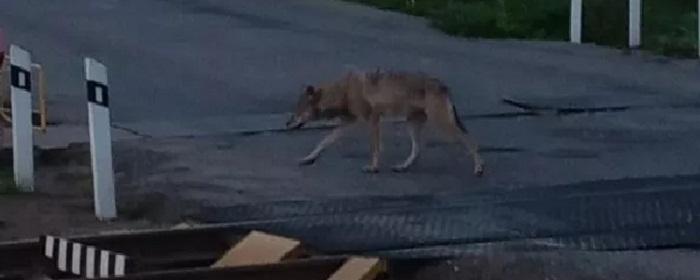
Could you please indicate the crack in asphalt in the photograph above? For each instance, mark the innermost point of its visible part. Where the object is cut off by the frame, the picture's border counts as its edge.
(131, 131)
(537, 110)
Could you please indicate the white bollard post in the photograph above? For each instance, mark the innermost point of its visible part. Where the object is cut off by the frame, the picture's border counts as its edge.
(576, 21)
(635, 23)
(100, 139)
(22, 131)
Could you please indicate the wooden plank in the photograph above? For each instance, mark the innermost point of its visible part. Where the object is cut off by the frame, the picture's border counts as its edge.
(314, 269)
(5, 88)
(259, 248)
(357, 268)
(41, 92)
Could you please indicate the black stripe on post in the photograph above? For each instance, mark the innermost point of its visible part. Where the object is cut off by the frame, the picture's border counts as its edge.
(83, 259)
(128, 266)
(56, 247)
(20, 78)
(42, 241)
(113, 264)
(98, 93)
(69, 256)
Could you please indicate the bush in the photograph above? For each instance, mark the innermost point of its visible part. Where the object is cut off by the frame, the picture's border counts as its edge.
(504, 18)
(475, 19)
(605, 22)
(536, 19)
(669, 27)
(7, 186)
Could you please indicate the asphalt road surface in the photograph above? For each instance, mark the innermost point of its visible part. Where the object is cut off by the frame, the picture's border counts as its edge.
(181, 67)
(612, 181)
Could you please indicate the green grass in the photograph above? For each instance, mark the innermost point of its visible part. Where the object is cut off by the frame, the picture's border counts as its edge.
(7, 185)
(669, 26)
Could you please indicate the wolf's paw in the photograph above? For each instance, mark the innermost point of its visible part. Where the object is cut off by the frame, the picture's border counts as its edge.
(370, 169)
(399, 168)
(479, 170)
(307, 161)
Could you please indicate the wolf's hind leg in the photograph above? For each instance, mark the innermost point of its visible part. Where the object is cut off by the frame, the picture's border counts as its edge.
(442, 113)
(375, 144)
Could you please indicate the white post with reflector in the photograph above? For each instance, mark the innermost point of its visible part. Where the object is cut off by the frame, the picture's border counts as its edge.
(576, 21)
(635, 23)
(22, 131)
(100, 139)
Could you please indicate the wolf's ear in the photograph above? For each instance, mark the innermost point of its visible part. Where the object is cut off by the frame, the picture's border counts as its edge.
(309, 90)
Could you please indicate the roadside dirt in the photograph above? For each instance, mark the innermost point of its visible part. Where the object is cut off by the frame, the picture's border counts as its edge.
(62, 201)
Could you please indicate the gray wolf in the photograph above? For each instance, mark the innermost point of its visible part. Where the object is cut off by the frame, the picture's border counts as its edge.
(370, 96)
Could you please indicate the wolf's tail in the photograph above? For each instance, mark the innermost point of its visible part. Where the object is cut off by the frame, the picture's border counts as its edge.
(457, 121)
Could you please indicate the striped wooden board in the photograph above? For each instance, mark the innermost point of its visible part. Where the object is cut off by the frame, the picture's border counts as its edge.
(83, 260)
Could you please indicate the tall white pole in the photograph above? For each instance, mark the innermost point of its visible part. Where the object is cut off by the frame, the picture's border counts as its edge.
(576, 21)
(100, 139)
(22, 132)
(635, 23)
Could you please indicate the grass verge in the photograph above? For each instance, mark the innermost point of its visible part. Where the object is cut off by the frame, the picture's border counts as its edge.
(669, 26)
(7, 185)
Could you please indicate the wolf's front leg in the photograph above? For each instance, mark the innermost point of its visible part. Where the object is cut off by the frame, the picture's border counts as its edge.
(328, 140)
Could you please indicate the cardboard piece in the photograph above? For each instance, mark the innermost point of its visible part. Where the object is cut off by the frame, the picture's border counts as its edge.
(357, 268)
(259, 248)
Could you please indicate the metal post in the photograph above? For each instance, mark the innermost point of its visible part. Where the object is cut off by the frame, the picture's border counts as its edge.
(576, 21)
(635, 23)
(100, 139)
(22, 131)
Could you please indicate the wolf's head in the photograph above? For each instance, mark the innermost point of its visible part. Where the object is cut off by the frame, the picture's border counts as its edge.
(307, 108)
